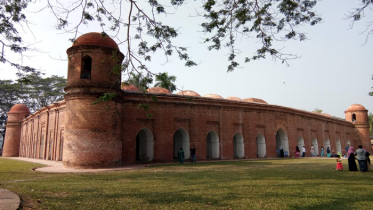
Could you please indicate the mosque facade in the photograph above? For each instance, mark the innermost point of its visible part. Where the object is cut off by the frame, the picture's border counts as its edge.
(85, 134)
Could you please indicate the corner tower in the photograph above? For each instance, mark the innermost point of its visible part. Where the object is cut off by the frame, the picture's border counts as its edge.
(358, 115)
(93, 131)
(13, 130)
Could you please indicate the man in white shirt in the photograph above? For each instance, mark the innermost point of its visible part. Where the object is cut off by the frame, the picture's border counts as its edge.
(304, 152)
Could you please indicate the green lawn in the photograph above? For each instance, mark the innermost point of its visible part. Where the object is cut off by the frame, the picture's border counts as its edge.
(252, 184)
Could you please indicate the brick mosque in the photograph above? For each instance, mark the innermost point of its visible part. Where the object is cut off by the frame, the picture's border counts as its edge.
(116, 132)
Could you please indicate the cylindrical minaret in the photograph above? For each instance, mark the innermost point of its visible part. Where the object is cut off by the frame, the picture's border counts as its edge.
(358, 115)
(93, 131)
(13, 130)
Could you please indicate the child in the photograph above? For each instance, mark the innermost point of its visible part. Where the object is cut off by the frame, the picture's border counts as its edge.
(339, 163)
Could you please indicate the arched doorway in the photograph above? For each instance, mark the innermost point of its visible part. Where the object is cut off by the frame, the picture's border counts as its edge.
(238, 146)
(261, 145)
(338, 145)
(348, 142)
(212, 145)
(300, 143)
(326, 145)
(144, 145)
(282, 140)
(181, 140)
(315, 145)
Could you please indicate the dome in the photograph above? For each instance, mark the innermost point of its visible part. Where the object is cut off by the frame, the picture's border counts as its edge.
(95, 38)
(233, 98)
(130, 88)
(213, 96)
(256, 100)
(158, 90)
(19, 108)
(356, 107)
(188, 93)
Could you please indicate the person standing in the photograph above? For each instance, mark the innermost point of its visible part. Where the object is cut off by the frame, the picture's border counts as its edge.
(347, 147)
(322, 151)
(367, 161)
(351, 159)
(339, 163)
(281, 151)
(313, 154)
(297, 152)
(360, 156)
(328, 152)
(181, 156)
(193, 154)
(303, 152)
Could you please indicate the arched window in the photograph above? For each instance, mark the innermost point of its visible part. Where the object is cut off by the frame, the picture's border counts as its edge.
(86, 68)
(353, 117)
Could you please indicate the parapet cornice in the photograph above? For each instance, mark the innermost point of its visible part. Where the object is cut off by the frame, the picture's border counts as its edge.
(57, 106)
(212, 102)
(107, 50)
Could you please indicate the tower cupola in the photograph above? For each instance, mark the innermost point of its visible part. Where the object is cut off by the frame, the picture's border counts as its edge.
(94, 60)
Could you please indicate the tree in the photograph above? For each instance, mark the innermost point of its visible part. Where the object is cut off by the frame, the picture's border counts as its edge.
(35, 95)
(268, 21)
(143, 34)
(371, 93)
(11, 14)
(318, 110)
(139, 80)
(165, 81)
(370, 120)
(359, 13)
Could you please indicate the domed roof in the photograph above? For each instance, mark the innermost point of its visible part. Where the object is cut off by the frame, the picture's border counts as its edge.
(356, 107)
(328, 115)
(19, 108)
(233, 98)
(158, 90)
(130, 88)
(213, 96)
(256, 100)
(188, 93)
(95, 38)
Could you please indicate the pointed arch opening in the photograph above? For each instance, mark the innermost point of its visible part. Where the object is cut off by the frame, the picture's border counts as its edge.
(327, 145)
(315, 145)
(348, 142)
(144, 145)
(212, 145)
(238, 146)
(261, 146)
(300, 143)
(181, 140)
(86, 67)
(282, 141)
(338, 146)
(61, 146)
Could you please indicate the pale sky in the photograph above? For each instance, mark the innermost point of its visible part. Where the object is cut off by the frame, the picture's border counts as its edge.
(334, 71)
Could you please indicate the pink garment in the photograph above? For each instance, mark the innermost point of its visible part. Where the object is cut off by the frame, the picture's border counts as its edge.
(350, 150)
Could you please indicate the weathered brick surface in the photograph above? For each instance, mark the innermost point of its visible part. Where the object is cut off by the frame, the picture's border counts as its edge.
(84, 135)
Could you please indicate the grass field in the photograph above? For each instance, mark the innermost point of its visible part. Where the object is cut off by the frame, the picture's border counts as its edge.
(253, 184)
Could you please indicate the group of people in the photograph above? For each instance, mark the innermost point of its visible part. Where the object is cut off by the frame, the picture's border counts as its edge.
(313, 151)
(193, 157)
(362, 157)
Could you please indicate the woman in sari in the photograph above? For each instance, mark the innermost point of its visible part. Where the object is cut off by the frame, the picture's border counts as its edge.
(297, 152)
(351, 159)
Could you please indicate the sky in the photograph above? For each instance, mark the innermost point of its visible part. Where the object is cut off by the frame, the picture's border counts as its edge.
(333, 72)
